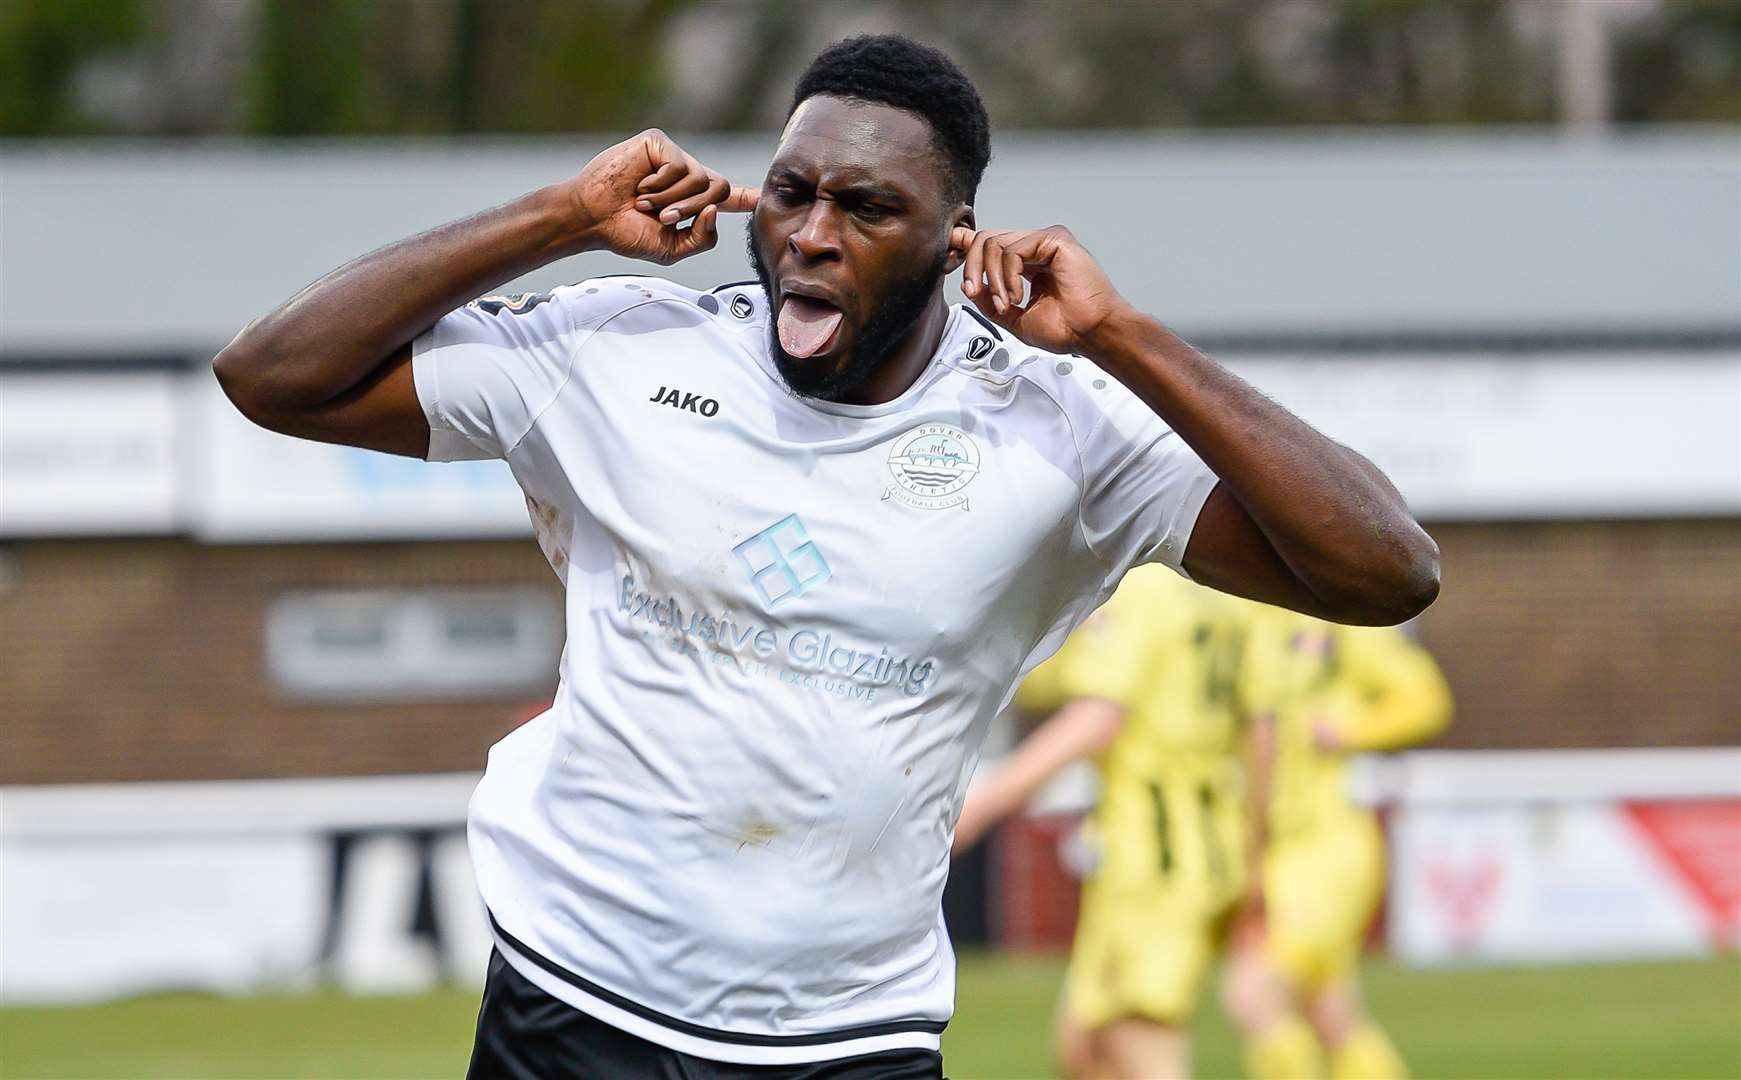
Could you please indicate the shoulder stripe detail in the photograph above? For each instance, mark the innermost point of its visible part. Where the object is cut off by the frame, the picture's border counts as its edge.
(932, 1027)
(584, 332)
(983, 321)
(1076, 440)
(735, 285)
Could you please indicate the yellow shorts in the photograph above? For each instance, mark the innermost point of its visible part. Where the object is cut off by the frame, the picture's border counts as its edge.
(1320, 893)
(1140, 953)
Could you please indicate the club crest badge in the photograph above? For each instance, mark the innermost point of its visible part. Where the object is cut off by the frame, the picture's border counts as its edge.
(931, 465)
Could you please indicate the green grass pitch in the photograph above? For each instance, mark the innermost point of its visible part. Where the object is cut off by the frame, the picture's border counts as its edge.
(1679, 1019)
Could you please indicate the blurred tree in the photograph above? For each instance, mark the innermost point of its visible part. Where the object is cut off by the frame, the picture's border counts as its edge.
(43, 43)
(1240, 62)
(350, 66)
(310, 62)
(1686, 65)
(431, 66)
(562, 65)
(732, 64)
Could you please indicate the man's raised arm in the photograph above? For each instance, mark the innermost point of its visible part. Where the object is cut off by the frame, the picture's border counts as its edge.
(1297, 519)
(333, 362)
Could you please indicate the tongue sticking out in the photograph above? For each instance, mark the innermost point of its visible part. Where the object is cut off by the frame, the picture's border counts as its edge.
(806, 326)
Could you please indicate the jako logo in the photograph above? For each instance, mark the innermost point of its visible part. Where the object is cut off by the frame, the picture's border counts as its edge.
(978, 347)
(695, 403)
(782, 561)
(741, 306)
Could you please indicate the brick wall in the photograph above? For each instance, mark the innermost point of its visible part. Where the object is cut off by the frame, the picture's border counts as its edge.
(143, 659)
(1591, 634)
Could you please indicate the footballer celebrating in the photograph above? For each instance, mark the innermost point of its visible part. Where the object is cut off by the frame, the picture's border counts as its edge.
(812, 530)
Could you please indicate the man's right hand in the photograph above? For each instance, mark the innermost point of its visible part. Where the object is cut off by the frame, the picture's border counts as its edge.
(633, 197)
(333, 362)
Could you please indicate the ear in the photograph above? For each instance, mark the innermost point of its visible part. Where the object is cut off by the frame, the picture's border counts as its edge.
(963, 216)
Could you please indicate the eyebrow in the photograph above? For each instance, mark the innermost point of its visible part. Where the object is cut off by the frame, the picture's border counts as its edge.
(864, 189)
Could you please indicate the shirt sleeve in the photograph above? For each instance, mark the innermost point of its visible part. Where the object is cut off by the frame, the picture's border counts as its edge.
(485, 372)
(1143, 485)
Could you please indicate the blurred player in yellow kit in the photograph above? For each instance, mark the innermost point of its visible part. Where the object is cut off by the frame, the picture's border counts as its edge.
(1148, 689)
(1321, 692)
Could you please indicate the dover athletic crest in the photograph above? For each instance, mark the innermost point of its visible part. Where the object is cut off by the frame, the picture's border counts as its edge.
(931, 465)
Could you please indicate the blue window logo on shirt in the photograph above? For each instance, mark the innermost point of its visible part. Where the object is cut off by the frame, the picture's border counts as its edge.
(782, 561)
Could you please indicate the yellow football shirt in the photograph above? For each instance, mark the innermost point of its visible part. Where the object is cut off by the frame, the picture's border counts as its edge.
(1167, 652)
(1372, 687)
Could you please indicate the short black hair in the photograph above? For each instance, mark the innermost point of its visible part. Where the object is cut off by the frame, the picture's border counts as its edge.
(889, 69)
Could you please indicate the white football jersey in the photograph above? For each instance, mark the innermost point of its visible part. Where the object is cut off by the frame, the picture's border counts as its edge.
(789, 622)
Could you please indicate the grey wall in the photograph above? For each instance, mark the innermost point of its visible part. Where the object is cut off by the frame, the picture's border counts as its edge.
(115, 249)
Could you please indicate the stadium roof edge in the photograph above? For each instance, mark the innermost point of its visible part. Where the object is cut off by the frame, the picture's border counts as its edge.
(1281, 236)
(1319, 344)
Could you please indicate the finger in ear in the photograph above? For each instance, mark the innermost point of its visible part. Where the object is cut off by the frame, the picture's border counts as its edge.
(953, 257)
(741, 199)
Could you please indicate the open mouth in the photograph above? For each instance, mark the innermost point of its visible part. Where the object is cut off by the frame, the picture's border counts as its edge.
(806, 325)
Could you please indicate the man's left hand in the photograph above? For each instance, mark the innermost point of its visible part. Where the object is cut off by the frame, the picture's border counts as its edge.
(1069, 296)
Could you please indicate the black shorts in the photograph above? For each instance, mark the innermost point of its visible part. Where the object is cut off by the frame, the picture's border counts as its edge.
(525, 1034)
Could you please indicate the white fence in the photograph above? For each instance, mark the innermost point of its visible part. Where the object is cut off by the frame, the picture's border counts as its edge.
(240, 886)
(1464, 436)
(1543, 856)
(253, 885)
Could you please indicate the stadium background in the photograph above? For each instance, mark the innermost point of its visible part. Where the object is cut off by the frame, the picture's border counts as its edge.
(247, 684)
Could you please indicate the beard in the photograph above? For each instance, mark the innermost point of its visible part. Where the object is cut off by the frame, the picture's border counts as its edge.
(891, 323)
